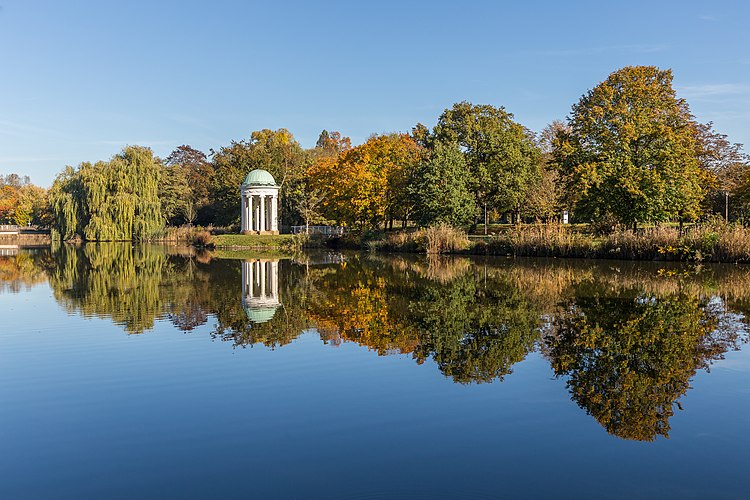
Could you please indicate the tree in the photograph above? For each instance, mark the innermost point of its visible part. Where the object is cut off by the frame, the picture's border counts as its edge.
(501, 154)
(21, 202)
(544, 196)
(367, 185)
(273, 150)
(631, 151)
(332, 143)
(114, 200)
(440, 188)
(308, 206)
(176, 195)
(725, 164)
(199, 173)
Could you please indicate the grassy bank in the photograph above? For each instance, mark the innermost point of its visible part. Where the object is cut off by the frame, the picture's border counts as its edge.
(707, 242)
(285, 242)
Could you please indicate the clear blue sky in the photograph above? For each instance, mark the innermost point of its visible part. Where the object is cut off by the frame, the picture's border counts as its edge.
(81, 79)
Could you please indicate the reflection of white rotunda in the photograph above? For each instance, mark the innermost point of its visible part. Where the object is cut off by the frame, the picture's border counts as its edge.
(260, 289)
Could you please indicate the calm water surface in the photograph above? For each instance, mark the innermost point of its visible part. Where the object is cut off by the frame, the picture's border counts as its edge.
(130, 371)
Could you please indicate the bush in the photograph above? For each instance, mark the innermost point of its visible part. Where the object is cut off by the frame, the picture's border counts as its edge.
(203, 239)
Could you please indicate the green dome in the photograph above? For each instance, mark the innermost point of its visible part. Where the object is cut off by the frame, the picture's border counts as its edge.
(259, 177)
(260, 314)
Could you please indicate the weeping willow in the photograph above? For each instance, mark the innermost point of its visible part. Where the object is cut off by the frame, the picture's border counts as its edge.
(109, 201)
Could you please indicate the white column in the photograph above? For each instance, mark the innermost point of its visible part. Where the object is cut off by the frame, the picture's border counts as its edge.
(275, 280)
(257, 218)
(262, 213)
(242, 211)
(246, 270)
(263, 272)
(275, 212)
(248, 208)
(256, 269)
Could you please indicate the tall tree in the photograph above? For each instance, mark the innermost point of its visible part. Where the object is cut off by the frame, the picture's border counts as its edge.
(114, 200)
(501, 154)
(631, 151)
(176, 194)
(440, 188)
(198, 172)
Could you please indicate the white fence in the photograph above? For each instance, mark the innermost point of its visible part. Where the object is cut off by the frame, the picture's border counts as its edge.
(324, 230)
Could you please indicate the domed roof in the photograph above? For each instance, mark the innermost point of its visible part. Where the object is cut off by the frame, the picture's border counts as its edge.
(260, 314)
(259, 177)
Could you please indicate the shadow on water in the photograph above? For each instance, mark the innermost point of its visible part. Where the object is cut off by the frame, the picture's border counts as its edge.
(627, 337)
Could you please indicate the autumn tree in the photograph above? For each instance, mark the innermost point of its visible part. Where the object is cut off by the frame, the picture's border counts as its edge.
(367, 185)
(502, 156)
(440, 188)
(21, 202)
(273, 150)
(726, 166)
(198, 172)
(332, 143)
(544, 198)
(631, 151)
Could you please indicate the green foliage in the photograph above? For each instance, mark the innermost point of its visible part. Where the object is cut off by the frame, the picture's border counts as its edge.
(176, 195)
(631, 151)
(440, 188)
(502, 156)
(114, 200)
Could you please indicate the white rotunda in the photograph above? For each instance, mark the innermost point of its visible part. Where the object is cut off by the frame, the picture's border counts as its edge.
(260, 204)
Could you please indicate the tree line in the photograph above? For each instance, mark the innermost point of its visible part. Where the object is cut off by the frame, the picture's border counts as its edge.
(630, 152)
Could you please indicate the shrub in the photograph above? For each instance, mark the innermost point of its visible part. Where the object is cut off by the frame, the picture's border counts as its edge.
(203, 239)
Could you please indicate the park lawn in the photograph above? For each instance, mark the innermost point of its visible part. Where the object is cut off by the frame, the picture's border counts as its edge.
(275, 241)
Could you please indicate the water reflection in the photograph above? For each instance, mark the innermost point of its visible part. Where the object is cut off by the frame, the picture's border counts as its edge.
(627, 338)
(629, 355)
(260, 289)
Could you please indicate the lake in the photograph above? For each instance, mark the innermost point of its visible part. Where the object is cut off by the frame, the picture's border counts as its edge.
(135, 370)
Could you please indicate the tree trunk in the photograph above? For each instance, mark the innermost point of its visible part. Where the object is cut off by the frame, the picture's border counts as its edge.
(726, 205)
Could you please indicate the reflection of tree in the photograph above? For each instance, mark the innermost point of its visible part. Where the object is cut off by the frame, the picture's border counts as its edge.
(475, 333)
(117, 281)
(363, 304)
(22, 271)
(629, 356)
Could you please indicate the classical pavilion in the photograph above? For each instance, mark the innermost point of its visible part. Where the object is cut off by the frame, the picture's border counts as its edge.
(260, 204)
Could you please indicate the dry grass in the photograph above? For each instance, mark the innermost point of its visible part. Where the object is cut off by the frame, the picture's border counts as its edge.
(711, 241)
(441, 239)
(444, 239)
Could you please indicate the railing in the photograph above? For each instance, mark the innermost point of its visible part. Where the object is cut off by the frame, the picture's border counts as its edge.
(7, 228)
(323, 230)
